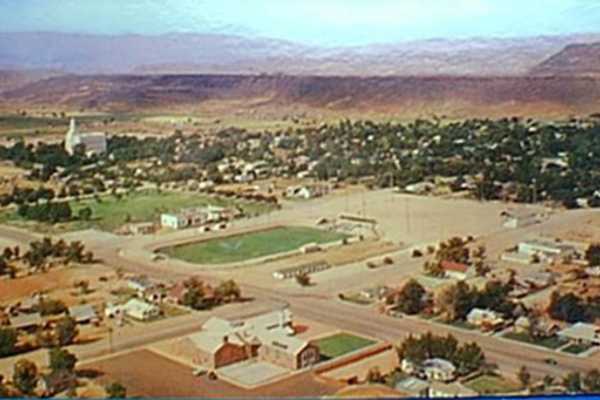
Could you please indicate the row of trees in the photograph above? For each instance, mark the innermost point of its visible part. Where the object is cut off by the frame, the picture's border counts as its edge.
(200, 296)
(456, 301)
(61, 378)
(467, 358)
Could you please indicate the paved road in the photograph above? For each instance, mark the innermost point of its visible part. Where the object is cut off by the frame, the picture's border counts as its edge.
(17, 235)
(326, 309)
(323, 307)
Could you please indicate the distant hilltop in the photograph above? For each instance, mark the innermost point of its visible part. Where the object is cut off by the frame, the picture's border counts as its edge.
(441, 95)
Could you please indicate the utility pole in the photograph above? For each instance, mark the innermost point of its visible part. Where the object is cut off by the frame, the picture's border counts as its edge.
(407, 215)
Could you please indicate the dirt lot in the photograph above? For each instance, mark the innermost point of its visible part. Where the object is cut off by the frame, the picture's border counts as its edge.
(138, 372)
(59, 283)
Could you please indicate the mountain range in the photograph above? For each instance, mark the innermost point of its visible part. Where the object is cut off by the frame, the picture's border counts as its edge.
(183, 53)
(540, 76)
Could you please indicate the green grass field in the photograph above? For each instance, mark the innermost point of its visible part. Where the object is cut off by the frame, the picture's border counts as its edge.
(489, 384)
(110, 213)
(341, 343)
(576, 348)
(550, 343)
(250, 245)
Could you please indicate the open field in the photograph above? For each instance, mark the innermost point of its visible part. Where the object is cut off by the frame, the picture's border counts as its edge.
(110, 212)
(138, 371)
(341, 343)
(489, 384)
(251, 245)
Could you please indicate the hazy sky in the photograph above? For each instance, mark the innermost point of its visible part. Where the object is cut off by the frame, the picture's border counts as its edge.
(325, 22)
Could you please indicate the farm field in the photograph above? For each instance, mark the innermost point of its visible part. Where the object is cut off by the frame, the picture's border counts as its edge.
(341, 343)
(109, 213)
(251, 245)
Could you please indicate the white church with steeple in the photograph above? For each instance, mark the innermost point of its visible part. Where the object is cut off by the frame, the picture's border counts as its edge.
(93, 142)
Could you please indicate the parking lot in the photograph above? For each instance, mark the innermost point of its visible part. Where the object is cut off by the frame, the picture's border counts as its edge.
(251, 374)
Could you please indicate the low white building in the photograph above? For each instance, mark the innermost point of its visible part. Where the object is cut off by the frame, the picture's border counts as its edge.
(439, 369)
(520, 218)
(140, 310)
(582, 332)
(545, 249)
(192, 217)
(484, 318)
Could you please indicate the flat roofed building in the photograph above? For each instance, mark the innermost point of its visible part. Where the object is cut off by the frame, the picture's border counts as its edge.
(582, 332)
(309, 268)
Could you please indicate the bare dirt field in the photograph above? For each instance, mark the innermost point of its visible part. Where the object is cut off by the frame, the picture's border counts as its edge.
(138, 370)
(59, 283)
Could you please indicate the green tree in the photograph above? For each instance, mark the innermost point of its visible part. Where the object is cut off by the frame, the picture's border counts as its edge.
(8, 341)
(524, 376)
(85, 214)
(25, 376)
(410, 298)
(115, 391)
(572, 382)
(66, 331)
(51, 307)
(591, 381)
(303, 279)
(61, 360)
(469, 358)
(592, 254)
(228, 290)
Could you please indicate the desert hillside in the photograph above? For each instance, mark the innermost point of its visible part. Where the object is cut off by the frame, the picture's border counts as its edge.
(448, 95)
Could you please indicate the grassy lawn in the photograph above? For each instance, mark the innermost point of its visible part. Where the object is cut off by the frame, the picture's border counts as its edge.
(110, 213)
(577, 348)
(550, 343)
(251, 245)
(489, 384)
(339, 344)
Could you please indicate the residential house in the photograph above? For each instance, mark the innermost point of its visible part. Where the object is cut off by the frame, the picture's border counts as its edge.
(26, 322)
(458, 271)
(83, 314)
(582, 332)
(140, 310)
(485, 319)
(141, 284)
(522, 324)
(439, 369)
(433, 369)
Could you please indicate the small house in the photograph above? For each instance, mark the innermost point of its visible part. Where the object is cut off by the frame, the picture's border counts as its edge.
(140, 310)
(582, 332)
(485, 319)
(439, 369)
(458, 271)
(83, 314)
